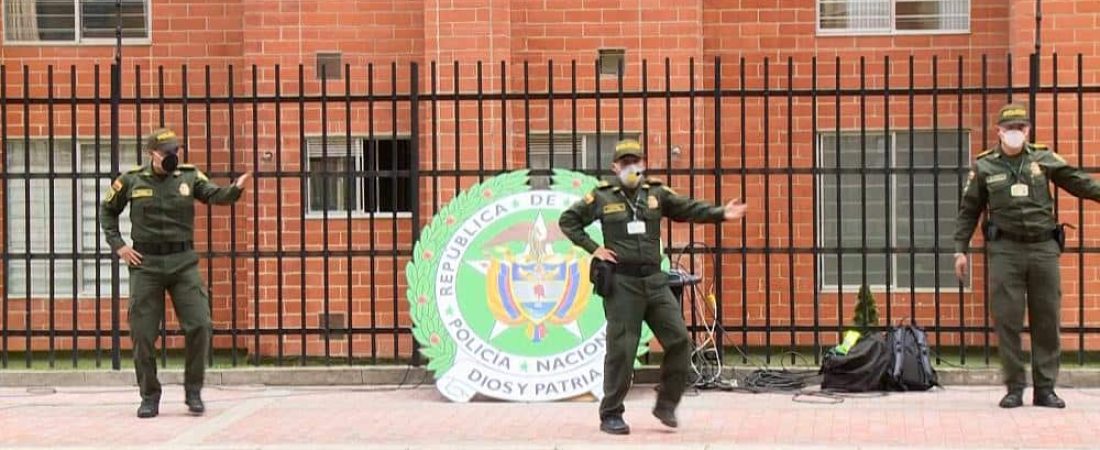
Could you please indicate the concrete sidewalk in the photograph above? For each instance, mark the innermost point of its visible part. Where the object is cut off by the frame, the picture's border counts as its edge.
(255, 417)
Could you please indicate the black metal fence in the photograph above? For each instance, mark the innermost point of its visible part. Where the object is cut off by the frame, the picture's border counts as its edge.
(852, 169)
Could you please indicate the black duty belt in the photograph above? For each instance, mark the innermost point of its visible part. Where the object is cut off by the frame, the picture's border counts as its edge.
(636, 270)
(162, 248)
(1027, 238)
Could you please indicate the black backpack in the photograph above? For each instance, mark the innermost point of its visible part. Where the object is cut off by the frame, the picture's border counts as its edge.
(910, 367)
(863, 369)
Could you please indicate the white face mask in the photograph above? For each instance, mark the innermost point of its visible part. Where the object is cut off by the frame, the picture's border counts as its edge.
(1013, 138)
(631, 175)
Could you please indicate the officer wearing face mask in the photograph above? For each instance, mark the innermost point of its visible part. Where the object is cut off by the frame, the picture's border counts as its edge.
(1010, 182)
(630, 209)
(161, 197)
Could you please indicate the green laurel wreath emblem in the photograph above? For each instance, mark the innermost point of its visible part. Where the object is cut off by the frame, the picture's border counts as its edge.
(428, 328)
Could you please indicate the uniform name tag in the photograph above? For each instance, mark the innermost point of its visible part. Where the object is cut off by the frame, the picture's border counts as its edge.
(996, 178)
(1019, 190)
(139, 193)
(614, 208)
(635, 227)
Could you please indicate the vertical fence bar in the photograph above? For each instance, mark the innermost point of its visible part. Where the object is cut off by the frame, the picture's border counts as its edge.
(76, 249)
(888, 177)
(414, 175)
(302, 190)
(790, 207)
(718, 246)
(599, 122)
(691, 179)
(936, 196)
(573, 115)
(1080, 213)
(863, 170)
(815, 172)
(349, 206)
(912, 207)
(116, 93)
(233, 330)
(645, 109)
(480, 128)
(98, 242)
(27, 318)
(767, 213)
(434, 96)
(256, 217)
(52, 240)
(526, 114)
(960, 173)
(280, 251)
(744, 230)
(504, 115)
(326, 204)
(372, 207)
(668, 132)
(209, 208)
(550, 108)
(839, 205)
(985, 246)
(394, 207)
(5, 226)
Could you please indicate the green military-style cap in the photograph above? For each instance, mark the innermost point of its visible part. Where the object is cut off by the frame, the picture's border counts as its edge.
(162, 139)
(628, 147)
(1013, 114)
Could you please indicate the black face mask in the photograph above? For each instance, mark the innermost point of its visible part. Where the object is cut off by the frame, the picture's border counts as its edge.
(170, 162)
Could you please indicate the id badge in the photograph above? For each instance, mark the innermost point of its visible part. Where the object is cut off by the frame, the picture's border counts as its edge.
(1019, 190)
(635, 227)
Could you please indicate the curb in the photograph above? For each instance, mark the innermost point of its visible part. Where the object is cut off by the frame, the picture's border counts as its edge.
(406, 375)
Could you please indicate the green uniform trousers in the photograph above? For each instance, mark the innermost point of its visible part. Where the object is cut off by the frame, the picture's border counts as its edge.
(1026, 275)
(178, 274)
(632, 301)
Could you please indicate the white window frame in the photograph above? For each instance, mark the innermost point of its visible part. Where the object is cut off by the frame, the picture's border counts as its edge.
(83, 291)
(894, 286)
(892, 30)
(78, 41)
(358, 150)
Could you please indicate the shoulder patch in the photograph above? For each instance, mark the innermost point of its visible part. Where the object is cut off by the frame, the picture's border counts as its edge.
(186, 167)
(589, 198)
(603, 185)
(1038, 146)
(653, 181)
(985, 154)
(1058, 157)
(670, 190)
(135, 169)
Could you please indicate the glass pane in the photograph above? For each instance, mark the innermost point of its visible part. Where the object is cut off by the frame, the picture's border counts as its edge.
(855, 15)
(39, 20)
(329, 186)
(99, 18)
(855, 216)
(937, 15)
(395, 190)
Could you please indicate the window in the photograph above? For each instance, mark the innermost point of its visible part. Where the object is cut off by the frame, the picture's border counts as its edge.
(70, 228)
(890, 213)
(611, 60)
(892, 16)
(589, 155)
(74, 20)
(380, 182)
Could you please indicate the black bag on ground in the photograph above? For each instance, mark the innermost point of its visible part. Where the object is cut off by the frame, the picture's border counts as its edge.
(863, 369)
(910, 367)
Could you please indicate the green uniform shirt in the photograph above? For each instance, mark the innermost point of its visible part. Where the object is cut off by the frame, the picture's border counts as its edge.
(162, 208)
(615, 207)
(990, 185)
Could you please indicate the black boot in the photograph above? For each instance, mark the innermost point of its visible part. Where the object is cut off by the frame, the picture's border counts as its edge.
(1013, 399)
(1047, 398)
(667, 416)
(194, 402)
(614, 425)
(149, 408)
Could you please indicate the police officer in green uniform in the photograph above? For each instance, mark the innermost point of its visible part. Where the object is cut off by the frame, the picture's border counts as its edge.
(161, 196)
(630, 211)
(1010, 182)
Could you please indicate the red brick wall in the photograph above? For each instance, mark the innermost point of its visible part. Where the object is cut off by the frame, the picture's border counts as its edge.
(373, 34)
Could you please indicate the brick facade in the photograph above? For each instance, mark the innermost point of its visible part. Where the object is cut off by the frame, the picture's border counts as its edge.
(380, 35)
